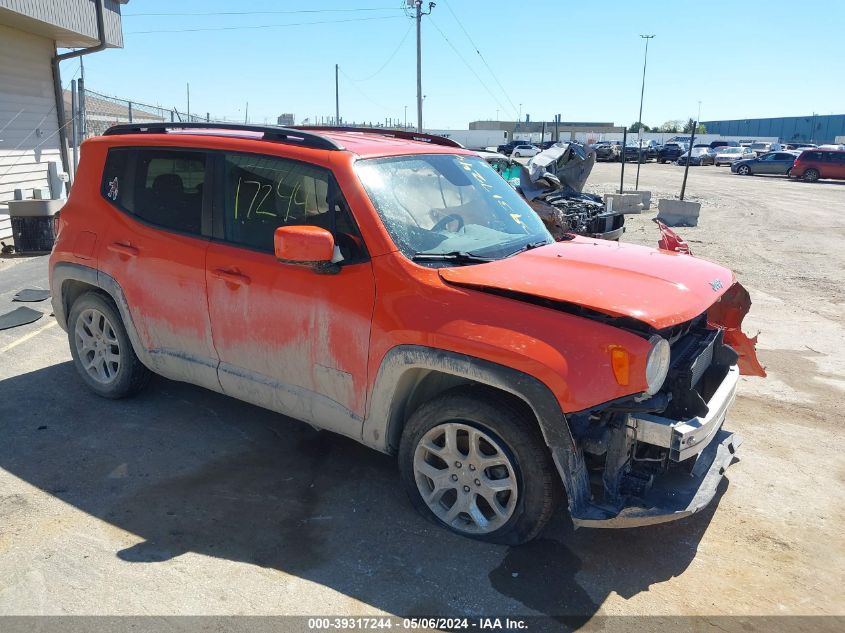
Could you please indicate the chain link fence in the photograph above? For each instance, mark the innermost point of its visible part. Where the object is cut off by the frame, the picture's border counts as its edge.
(98, 112)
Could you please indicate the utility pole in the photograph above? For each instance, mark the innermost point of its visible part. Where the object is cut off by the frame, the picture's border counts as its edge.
(336, 99)
(246, 114)
(419, 13)
(406, 117)
(189, 103)
(640, 118)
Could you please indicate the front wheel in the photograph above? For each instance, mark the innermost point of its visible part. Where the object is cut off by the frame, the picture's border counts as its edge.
(811, 175)
(743, 170)
(476, 463)
(517, 155)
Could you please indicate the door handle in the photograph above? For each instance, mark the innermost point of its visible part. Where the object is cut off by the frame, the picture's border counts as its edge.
(231, 277)
(123, 249)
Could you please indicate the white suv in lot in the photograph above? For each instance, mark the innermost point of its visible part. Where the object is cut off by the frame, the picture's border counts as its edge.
(525, 150)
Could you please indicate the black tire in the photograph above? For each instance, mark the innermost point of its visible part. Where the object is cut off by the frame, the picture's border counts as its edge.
(516, 431)
(131, 375)
(811, 175)
(743, 170)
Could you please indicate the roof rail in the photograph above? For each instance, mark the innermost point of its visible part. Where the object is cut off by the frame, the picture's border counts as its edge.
(270, 132)
(408, 136)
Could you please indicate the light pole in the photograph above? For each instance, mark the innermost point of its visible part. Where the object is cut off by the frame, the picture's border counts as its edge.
(520, 112)
(419, 13)
(699, 111)
(640, 118)
(406, 117)
(497, 114)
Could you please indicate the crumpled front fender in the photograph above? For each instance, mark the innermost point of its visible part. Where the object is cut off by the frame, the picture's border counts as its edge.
(728, 314)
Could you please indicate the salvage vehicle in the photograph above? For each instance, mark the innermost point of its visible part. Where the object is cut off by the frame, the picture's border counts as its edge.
(670, 152)
(391, 287)
(698, 156)
(727, 155)
(522, 151)
(644, 152)
(558, 197)
(610, 151)
(507, 148)
(771, 163)
(819, 163)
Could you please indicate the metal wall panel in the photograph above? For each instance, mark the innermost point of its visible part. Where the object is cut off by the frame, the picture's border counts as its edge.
(72, 23)
(820, 128)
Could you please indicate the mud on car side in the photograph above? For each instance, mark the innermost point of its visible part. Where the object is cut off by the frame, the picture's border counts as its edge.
(393, 288)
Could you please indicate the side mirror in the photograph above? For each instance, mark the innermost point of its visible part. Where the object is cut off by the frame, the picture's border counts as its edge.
(310, 246)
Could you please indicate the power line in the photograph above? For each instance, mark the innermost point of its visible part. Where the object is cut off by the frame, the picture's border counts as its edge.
(262, 26)
(389, 59)
(363, 94)
(472, 43)
(461, 57)
(199, 13)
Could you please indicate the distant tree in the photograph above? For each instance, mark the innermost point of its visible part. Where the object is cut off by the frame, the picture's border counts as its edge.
(688, 126)
(672, 126)
(701, 129)
(635, 127)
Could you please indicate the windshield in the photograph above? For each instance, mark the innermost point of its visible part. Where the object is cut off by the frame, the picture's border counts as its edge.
(700, 151)
(759, 146)
(730, 150)
(443, 203)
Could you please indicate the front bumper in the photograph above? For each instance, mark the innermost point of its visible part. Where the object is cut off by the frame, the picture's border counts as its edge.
(679, 492)
(676, 495)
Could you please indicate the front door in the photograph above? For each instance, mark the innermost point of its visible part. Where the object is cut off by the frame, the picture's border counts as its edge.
(155, 247)
(289, 339)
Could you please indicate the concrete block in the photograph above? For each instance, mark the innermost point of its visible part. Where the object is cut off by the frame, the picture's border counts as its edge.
(645, 196)
(628, 203)
(678, 212)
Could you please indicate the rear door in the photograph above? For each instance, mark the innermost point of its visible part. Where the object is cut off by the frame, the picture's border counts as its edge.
(837, 165)
(289, 339)
(155, 249)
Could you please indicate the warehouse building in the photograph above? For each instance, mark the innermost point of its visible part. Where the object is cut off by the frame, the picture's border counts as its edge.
(814, 128)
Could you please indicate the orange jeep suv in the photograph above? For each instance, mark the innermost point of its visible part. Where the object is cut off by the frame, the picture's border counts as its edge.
(392, 287)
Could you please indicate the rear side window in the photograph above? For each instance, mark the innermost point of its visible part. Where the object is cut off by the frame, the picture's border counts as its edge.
(262, 193)
(160, 186)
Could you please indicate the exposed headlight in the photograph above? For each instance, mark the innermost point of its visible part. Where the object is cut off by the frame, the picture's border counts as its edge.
(657, 365)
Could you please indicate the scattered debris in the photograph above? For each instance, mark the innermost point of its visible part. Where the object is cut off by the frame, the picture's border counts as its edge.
(31, 295)
(671, 241)
(19, 316)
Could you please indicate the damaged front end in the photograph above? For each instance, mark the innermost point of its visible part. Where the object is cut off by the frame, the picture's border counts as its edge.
(552, 185)
(652, 459)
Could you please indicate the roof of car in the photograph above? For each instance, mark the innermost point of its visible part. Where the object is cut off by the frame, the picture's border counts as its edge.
(364, 142)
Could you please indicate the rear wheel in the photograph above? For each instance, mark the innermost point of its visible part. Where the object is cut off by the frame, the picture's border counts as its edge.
(811, 175)
(743, 170)
(475, 462)
(101, 350)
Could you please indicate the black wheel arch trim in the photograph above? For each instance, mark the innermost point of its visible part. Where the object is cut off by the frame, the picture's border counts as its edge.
(387, 412)
(62, 272)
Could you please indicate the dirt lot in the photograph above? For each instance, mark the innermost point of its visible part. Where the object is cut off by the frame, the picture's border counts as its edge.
(182, 501)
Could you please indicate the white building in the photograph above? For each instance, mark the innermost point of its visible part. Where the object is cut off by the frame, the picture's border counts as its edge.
(31, 103)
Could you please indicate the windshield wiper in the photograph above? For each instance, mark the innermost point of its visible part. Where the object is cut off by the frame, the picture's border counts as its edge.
(528, 247)
(459, 257)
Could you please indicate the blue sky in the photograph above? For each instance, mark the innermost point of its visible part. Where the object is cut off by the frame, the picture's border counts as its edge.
(749, 59)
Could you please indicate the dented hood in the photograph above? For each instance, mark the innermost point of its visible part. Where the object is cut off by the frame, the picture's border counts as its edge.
(656, 287)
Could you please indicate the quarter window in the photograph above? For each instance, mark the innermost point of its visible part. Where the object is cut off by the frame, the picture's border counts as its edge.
(162, 187)
(262, 193)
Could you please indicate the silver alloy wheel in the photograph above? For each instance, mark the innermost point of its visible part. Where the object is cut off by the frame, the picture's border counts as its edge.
(466, 478)
(744, 170)
(97, 345)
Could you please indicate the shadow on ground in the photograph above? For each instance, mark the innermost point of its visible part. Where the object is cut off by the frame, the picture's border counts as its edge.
(188, 470)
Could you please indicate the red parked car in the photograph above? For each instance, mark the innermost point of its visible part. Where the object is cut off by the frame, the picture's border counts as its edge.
(813, 164)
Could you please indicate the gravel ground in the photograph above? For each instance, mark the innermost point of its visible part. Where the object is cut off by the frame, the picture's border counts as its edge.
(181, 501)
